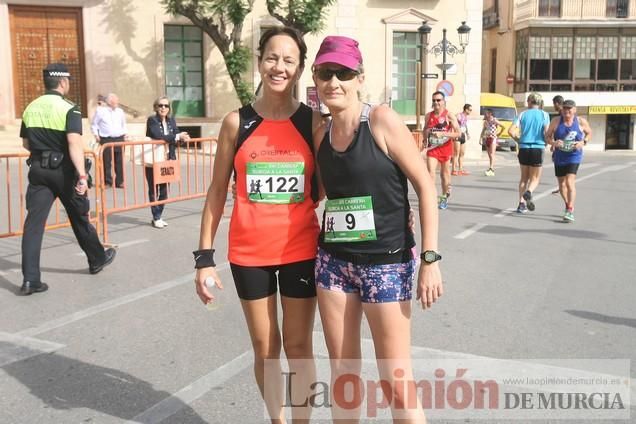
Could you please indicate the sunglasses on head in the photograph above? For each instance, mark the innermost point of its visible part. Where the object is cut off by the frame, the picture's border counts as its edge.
(162, 105)
(341, 74)
(438, 100)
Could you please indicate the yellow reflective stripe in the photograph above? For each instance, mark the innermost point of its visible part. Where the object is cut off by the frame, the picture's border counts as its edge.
(48, 111)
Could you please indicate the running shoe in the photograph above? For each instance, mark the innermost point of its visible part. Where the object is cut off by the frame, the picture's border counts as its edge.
(568, 216)
(522, 208)
(454, 173)
(527, 196)
(489, 172)
(464, 172)
(442, 202)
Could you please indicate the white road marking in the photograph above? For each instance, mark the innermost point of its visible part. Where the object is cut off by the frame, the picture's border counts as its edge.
(111, 304)
(469, 232)
(14, 347)
(9, 271)
(174, 403)
(504, 212)
(121, 245)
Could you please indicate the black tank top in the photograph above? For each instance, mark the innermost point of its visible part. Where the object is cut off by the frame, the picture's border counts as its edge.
(363, 171)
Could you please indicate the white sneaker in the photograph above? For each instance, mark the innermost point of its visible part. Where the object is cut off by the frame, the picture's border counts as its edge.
(159, 223)
(165, 224)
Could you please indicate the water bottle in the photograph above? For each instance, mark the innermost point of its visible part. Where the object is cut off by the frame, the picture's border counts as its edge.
(214, 291)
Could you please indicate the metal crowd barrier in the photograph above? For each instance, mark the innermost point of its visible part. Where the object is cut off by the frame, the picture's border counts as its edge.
(195, 160)
(14, 169)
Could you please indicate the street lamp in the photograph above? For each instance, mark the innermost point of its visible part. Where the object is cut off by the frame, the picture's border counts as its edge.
(444, 47)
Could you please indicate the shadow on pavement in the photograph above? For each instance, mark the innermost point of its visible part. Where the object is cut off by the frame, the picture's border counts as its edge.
(473, 208)
(67, 384)
(9, 286)
(607, 319)
(500, 229)
(459, 185)
(580, 234)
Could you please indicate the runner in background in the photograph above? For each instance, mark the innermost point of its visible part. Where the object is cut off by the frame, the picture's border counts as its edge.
(568, 134)
(490, 132)
(529, 131)
(441, 128)
(460, 143)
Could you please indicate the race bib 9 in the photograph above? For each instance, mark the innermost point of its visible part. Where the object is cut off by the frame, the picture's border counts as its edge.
(275, 182)
(349, 220)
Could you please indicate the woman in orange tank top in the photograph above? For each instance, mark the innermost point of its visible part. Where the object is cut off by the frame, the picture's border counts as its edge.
(274, 228)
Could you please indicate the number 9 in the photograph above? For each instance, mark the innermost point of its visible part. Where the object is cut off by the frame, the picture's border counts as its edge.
(351, 221)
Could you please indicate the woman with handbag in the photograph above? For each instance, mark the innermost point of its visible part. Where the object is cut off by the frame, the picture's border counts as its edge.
(161, 126)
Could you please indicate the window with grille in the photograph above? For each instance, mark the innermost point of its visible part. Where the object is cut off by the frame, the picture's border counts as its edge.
(583, 60)
(550, 8)
(617, 8)
(183, 47)
(403, 77)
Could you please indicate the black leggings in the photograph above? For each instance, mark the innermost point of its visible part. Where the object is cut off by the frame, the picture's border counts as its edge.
(256, 282)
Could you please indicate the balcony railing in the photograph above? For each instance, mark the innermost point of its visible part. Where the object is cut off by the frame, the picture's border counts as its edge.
(490, 18)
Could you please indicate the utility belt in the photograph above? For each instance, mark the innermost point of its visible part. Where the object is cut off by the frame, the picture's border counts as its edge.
(49, 159)
(402, 256)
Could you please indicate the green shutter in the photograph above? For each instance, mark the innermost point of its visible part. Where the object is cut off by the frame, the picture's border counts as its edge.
(183, 48)
(403, 78)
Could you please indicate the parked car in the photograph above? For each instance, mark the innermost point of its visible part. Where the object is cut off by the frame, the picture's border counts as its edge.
(504, 109)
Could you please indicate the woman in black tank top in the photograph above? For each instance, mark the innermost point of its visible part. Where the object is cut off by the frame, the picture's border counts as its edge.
(365, 261)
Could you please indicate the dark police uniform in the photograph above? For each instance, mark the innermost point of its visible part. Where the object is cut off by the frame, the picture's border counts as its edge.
(45, 123)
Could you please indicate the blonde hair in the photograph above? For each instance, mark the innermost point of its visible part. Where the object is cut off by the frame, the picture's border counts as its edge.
(535, 99)
(155, 104)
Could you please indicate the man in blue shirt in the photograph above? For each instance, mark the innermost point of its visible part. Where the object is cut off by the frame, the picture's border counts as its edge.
(529, 131)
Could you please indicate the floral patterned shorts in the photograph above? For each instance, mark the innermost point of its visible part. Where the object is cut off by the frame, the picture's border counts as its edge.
(374, 283)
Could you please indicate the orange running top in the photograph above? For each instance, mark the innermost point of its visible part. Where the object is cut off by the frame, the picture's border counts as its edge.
(274, 220)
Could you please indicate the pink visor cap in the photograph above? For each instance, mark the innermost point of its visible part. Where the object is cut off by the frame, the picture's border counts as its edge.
(339, 50)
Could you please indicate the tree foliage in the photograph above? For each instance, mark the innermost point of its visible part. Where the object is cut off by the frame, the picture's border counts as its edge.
(307, 16)
(223, 21)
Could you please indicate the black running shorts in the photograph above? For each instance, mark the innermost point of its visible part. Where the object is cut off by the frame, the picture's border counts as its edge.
(531, 157)
(563, 170)
(256, 282)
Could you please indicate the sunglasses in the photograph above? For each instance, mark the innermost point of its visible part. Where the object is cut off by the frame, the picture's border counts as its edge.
(438, 100)
(341, 74)
(162, 105)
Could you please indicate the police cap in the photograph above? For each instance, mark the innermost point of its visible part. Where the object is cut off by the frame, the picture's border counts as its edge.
(56, 70)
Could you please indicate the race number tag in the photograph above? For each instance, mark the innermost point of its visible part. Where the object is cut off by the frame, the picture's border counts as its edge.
(436, 141)
(276, 182)
(568, 143)
(349, 219)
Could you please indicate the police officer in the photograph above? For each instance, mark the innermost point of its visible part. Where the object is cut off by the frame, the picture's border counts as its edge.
(52, 132)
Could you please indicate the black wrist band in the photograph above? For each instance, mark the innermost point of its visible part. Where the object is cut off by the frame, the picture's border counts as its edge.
(203, 258)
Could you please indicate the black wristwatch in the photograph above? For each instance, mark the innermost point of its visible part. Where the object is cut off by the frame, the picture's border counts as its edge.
(430, 256)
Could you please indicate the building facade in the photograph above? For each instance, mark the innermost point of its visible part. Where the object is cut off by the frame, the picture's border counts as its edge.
(583, 50)
(135, 49)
